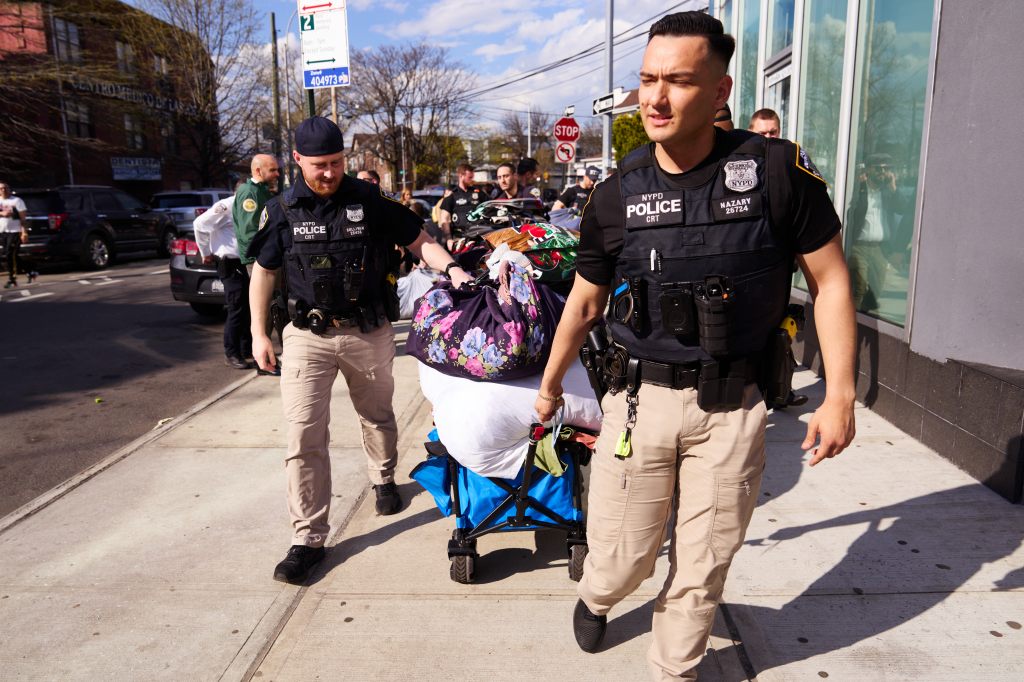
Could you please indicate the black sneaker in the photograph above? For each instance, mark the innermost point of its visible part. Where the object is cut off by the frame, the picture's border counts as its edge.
(236, 362)
(588, 628)
(11, 283)
(297, 564)
(388, 500)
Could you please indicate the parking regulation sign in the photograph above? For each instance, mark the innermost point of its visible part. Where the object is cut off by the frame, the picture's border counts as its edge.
(323, 33)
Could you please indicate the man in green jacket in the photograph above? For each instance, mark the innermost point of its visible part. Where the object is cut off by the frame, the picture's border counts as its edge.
(250, 198)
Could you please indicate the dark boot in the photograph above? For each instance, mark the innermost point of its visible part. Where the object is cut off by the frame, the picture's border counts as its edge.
(588, 628)
(388, 500)
(297, 564)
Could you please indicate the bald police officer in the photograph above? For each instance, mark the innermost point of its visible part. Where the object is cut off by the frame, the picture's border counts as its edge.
(334, 235)
(694, 239)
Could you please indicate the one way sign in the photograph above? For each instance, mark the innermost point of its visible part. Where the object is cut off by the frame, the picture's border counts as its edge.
(606, 103)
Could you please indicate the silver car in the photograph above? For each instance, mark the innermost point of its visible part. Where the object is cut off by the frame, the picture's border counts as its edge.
(184, 207)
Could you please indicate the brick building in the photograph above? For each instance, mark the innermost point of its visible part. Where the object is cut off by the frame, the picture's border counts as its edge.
(89, 98)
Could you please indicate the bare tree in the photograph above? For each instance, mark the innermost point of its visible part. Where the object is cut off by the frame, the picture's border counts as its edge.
(33, 76)
(523, 134)
(219, 77)
(410, 98)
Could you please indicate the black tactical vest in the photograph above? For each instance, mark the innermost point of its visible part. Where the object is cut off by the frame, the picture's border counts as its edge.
(719, 225)
(336, 266)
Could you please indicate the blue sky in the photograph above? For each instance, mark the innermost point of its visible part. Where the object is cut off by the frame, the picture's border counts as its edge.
(496, 42)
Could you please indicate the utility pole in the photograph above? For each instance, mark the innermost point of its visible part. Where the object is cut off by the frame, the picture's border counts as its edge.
(529, 129)
(288, 72)
(277, 89)
(606, 137)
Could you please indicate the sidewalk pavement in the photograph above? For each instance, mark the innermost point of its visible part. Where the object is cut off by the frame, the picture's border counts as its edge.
(887, 563)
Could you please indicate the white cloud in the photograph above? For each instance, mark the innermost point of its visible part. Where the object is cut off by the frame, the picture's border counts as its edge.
(364, 5)
(493, 51)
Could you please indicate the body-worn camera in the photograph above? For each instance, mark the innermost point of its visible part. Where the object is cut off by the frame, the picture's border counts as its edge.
(713, 299)
(677, 311)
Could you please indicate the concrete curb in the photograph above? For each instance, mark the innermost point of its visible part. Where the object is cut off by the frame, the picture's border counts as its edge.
(49, 497)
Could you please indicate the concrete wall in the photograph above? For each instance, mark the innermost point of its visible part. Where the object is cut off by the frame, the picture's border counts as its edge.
(969, 300)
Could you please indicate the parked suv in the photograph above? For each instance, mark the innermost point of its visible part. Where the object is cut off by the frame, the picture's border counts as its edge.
(91, 224)
(184, 207)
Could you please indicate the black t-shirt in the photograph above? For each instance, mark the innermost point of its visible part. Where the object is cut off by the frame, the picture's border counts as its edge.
(810, 222)
(575, 197)
(460, 202)
(384, 216)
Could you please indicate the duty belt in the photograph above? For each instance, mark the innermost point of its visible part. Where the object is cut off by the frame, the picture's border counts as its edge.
(343, 322)
(676, 377)
(680, 377)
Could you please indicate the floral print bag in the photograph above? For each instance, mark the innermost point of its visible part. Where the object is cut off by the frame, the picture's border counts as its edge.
(486, 332)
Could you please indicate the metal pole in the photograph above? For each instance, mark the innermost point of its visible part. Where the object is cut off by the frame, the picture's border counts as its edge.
(310, 104)
(288, 97)
(529, 129)
(334, 105)
(277, 88)
(606, 137)
(403, 157)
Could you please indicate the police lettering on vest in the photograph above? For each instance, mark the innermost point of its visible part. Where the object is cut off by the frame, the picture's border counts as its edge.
(335, 266)
(708, 228)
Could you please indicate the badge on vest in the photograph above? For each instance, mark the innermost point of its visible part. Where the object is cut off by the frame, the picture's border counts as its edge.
(308, 231)
(654, 209)
(354, 213)
(460, 202)
(741, 176)
(734, 207)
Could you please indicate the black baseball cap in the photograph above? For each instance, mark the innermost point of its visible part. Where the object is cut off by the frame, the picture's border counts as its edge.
(593, 172)
(318, 136)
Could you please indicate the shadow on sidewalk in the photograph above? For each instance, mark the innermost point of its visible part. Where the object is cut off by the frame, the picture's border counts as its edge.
(912, 556)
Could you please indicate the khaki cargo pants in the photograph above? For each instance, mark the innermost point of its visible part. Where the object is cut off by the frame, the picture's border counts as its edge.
(309, 366)
(704, 466)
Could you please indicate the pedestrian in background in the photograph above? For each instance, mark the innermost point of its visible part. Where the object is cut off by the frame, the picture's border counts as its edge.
(218, 244)
(723, 117)
(335, 235)
(457, 205)
(14, 232)
(683, 435)
(527, 171)
(249, 200)
(576, 197)
(765, 122)
(508, 182)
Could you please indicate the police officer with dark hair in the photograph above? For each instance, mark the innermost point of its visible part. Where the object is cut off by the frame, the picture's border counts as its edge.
(694, 239)
(335, 236)
(527, 171)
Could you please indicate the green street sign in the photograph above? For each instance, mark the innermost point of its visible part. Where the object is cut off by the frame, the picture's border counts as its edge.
(306, 22)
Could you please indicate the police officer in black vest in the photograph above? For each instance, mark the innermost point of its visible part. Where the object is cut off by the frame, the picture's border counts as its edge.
(335, 236)
(456, 207)
(694, 240)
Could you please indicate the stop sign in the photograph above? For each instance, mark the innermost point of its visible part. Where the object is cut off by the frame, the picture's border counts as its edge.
(567, 130)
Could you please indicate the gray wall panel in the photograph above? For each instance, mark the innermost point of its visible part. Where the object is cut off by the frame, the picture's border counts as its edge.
(969, 295)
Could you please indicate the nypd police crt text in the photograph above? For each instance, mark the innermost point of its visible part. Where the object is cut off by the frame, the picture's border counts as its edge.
(653, 206)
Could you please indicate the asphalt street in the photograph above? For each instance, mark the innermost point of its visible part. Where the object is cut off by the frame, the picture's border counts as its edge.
(90, 361)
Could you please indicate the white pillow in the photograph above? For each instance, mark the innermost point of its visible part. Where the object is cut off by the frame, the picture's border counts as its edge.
(486, 424)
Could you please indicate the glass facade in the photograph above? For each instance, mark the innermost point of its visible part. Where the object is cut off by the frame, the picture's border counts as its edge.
(893, 46)
(746, 100)
(821, 95)
(780, 26)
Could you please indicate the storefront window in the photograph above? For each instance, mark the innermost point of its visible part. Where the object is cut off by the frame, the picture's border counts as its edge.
(780, 26)
(747, 101)
(821, 91)
(885, 150)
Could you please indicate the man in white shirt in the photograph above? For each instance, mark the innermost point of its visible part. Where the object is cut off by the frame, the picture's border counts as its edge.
(12, 232)
(217, 242)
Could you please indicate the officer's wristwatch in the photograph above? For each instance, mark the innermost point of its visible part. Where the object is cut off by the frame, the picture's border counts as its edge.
(448, 268)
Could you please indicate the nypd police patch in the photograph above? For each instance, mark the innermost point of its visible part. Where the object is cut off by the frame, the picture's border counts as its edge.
(804, 163)
(263, 219)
